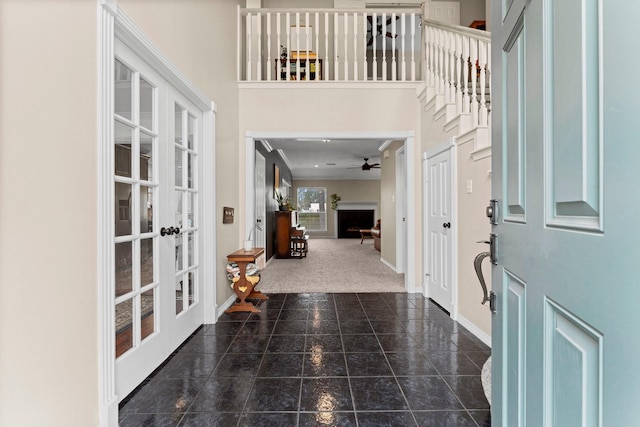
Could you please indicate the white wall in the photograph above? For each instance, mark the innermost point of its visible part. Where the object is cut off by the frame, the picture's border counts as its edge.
(48, 216)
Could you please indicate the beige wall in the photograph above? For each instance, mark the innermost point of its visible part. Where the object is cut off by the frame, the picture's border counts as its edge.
(473, 225)
(199, 37)
(388, 202)
(339, 109)
(348, 190)
(472, 222)
(48, 216)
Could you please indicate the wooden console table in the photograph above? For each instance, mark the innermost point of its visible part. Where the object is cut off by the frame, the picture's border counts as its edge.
(243, 288)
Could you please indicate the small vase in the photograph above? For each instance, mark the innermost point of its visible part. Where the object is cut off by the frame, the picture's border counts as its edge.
(248, 245)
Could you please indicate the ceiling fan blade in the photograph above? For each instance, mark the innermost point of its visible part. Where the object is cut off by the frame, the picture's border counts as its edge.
(375, 165)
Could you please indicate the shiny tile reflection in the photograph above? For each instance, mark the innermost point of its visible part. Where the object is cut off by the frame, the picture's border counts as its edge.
(321, 360)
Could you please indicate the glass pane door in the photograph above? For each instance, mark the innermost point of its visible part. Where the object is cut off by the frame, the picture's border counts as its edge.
(186, 204)
(135, 190)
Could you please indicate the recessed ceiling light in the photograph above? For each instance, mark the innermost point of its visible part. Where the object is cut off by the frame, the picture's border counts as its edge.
(326, 140)
(316, 166)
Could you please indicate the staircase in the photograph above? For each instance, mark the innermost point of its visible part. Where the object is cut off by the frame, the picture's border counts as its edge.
(457, 82)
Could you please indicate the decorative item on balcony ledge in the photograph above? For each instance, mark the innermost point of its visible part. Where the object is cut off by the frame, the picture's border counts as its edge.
(334, 201)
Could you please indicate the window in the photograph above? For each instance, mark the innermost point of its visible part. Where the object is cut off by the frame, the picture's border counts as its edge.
(312, 207)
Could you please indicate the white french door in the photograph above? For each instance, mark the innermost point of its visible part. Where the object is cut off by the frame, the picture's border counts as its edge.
(185, 127)
(157, 135)
(565, 159)
(438, 217)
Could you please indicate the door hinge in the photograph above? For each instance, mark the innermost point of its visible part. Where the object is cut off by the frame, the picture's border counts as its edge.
(492, 301)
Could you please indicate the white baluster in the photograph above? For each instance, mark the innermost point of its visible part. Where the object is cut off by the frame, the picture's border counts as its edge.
(413, 47)
(465, 74)
(307, 32)
(326, 45)
(374, 22)
(403, 67)
(394, 70)
(317, 46)
(441, 75)
(452, 67)
(259, 42)
(249, 45)
(459, 81)
(336, 64)
(473, 54)
(446, 75)
(288, 46)
(489, 71)
(364, 47)
(355, 46)
(269, 41)
(345, 25)
(482, 119)
(384, 46)
(297, 46)
(278, 48)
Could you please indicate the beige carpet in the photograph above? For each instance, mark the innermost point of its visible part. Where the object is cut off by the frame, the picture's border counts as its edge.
(332, 265)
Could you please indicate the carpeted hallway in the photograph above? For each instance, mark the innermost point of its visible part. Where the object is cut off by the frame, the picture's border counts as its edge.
(321, 359)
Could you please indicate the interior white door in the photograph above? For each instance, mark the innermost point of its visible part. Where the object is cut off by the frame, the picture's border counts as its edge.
(137, 253)
(438, 224)
(185, 127)
(565, 152)
(260, 177)
(157, 248)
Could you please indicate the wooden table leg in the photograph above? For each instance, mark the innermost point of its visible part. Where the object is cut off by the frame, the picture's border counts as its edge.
(248, 289)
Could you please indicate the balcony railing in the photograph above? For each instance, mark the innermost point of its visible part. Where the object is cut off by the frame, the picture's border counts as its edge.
(458, 70)
(330, 45)
(381, 45)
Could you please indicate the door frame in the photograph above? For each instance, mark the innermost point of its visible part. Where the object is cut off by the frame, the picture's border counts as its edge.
(112, 23)
(401, 210)
(448, 145)
(252, 137)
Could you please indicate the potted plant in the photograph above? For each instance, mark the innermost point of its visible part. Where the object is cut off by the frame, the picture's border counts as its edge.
(334, 201)
(282, 201)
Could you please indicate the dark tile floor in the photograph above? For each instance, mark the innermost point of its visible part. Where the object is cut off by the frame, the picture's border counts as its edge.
(379, 359)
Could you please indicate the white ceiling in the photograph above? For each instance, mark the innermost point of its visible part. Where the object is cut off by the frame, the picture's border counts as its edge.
(335, 158)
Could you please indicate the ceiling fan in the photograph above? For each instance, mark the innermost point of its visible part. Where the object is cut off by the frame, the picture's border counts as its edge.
(373, 33)
(366, 166)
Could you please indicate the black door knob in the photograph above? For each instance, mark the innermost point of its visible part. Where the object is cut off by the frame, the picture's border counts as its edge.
(447, 225)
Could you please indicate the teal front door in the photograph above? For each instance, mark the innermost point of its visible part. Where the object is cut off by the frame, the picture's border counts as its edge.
(566, 155)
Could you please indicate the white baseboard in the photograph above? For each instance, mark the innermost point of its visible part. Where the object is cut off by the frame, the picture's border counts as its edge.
(479, 333)
(388, 264)
(220, 310)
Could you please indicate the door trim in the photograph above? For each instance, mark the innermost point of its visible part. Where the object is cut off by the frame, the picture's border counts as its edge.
(449, 144)
(251, 137)
(114, 23)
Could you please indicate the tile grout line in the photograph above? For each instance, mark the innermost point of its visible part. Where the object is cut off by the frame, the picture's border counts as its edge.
(253, 383)
(384, 354)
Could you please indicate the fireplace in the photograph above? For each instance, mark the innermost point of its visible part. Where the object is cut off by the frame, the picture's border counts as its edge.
(351, 221)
